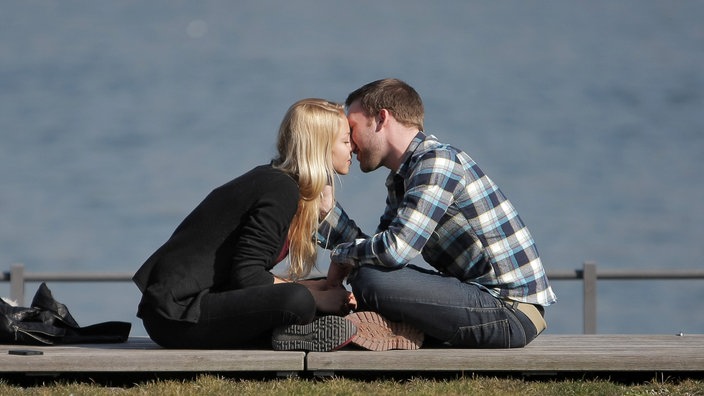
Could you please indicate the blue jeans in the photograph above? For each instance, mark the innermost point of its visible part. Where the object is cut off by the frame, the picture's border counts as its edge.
(455, 313)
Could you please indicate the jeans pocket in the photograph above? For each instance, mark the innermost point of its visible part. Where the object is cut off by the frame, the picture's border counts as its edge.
(494, 334)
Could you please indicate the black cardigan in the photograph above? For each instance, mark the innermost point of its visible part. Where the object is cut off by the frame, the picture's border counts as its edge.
(230, 241)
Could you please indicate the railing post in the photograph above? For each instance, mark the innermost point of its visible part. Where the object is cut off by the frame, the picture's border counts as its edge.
(17, 283)
(589, 279)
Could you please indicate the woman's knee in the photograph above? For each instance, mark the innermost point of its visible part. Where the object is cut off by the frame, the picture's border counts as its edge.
(298, 300)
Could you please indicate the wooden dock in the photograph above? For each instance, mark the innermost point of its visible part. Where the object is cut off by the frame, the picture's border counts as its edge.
(549, 354)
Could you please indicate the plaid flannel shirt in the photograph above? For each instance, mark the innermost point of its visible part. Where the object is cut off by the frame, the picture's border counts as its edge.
(442, 206)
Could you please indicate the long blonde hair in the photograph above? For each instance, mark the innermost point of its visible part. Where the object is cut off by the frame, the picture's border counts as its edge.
(304, 146)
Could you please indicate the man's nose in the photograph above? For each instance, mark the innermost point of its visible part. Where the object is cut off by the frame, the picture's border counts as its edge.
(353, 145)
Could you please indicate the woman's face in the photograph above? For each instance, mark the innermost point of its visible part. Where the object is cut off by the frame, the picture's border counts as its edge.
(342, 150)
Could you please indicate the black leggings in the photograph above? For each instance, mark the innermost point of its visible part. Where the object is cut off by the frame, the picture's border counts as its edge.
(235, 319)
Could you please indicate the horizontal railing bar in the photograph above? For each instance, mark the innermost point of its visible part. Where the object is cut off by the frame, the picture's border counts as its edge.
(629, 274)
(650, 274)
(77, 277)
(605, 274)
(565, 274)
(73, 276)
(589, 274)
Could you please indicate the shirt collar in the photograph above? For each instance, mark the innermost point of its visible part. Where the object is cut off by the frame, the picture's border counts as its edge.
(406, 159)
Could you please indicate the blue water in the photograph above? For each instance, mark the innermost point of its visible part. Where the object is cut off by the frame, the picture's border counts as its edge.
(117, 118)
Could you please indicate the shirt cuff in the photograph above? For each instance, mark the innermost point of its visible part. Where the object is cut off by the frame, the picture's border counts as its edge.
(341, 254)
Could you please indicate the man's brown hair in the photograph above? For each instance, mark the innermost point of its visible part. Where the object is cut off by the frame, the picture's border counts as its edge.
(391, 94)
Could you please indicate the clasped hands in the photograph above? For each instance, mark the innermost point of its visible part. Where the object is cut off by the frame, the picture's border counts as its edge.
(331, 299)
(330, 295)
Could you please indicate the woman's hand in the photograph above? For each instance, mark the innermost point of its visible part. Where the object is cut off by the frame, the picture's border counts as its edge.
(331, 300)
(336, 301)
(327, 201)
(314, 284)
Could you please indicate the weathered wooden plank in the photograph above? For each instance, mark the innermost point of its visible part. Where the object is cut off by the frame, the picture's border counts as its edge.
(563, 353)
(142, 355)
(549, 353)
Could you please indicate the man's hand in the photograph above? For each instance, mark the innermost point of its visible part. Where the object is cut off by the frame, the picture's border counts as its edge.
(337, 273)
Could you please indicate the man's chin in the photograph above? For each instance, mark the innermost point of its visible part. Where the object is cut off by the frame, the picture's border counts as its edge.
(365, 167)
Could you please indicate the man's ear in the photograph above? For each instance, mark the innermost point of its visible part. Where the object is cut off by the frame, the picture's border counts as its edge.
(383, 117)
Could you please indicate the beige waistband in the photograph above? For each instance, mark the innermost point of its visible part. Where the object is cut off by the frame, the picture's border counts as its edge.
(532, 312)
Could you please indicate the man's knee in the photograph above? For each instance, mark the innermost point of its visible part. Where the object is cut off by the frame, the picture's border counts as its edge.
(364, 278)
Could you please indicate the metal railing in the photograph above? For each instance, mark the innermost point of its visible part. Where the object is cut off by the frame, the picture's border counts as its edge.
(588, 274)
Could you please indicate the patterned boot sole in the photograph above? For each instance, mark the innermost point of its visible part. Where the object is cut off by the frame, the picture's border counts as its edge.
(327, 333)
(376, 333)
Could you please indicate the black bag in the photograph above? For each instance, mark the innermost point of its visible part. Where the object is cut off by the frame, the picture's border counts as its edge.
(48, 322)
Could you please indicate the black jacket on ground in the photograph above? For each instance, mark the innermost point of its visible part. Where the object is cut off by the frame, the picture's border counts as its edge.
(230, 241)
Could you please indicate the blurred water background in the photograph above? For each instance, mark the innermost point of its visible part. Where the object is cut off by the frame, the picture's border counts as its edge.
(118, 117)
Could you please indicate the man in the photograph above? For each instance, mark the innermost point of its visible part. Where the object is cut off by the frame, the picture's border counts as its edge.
(488, 288)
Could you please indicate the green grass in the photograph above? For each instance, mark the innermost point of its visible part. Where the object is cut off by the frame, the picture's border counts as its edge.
(484, 386)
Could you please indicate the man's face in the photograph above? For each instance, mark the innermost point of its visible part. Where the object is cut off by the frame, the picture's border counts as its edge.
(366, 142)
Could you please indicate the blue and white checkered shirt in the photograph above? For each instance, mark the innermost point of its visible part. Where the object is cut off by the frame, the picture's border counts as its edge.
(441, 205)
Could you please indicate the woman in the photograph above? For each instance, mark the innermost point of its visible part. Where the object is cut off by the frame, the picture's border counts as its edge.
(210, 285)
